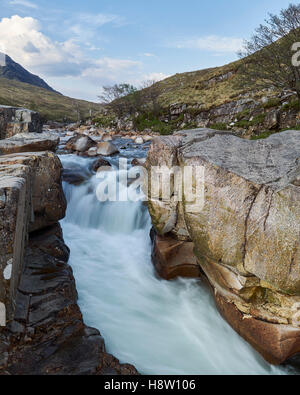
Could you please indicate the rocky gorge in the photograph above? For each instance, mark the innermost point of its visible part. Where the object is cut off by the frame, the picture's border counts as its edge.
(244, 243)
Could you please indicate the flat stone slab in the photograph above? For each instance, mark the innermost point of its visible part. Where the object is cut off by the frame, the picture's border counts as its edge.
(29, 142)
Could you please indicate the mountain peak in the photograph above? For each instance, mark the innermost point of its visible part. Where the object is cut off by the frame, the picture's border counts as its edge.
(14, 71)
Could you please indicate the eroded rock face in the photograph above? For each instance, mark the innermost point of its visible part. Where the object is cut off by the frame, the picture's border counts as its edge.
(15, 120)
(247, 236)
(48, 200)
(31, 198)
(41, 327)
(48, 335)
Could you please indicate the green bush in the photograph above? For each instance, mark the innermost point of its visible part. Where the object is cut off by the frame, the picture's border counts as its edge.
(293, 105)
(243, 114)
(104, 121)
(272, 103)
(149, 121)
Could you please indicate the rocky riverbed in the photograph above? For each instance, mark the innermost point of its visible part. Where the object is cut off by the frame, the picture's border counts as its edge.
(244, 242)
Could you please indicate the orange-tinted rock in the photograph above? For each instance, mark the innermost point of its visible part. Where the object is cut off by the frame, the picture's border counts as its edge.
(276, 343)
(174, 258)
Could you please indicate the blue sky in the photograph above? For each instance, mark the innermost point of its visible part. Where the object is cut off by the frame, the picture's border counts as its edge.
(79, 46)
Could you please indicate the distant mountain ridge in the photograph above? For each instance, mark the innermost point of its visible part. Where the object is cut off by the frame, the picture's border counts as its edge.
(14, 71)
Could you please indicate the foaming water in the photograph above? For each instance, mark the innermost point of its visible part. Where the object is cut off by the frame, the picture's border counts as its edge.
(160, 327)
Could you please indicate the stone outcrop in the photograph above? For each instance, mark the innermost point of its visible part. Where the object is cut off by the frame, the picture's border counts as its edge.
(246, 236)
(47, 335)
(14, 120)
(41, 326)
(31, 199)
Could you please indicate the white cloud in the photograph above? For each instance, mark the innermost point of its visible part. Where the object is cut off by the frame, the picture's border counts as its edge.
(22, 39)
(67, 65)
(111, 70)
(211, 43)
(149, 55)
(155, 77)
(98, 19)
(23, 3)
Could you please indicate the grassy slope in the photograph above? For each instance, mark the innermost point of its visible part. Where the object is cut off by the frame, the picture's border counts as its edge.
(51, 105)
(194, 88)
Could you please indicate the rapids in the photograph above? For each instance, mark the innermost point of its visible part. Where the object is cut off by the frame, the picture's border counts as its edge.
(160, 327)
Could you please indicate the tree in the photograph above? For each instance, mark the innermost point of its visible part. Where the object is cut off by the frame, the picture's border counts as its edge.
(118, 98)
(270, 57)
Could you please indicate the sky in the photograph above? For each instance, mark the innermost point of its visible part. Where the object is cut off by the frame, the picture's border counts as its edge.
(79, 46)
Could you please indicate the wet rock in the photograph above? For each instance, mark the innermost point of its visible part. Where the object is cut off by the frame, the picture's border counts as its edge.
(56, 341)
(99, 163)
(80, 143)
(106, 149)
(92, 151)
(173, 258)
(139, 140)
(75, 175)
(138, 162)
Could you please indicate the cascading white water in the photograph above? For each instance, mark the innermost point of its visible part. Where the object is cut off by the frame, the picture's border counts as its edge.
(158, 326)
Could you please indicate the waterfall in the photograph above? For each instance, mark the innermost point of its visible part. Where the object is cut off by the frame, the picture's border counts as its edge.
(160, 327)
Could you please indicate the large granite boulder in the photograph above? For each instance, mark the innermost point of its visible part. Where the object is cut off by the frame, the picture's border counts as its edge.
(247, 234)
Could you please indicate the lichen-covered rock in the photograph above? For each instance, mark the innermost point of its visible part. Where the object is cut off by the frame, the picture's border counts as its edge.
(246, 236)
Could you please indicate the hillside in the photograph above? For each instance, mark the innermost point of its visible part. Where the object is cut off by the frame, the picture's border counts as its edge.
(14, 71)
(213, 98)
(208, 87)
(51, 105)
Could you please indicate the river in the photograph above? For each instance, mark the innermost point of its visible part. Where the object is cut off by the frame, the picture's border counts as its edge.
(158, 326)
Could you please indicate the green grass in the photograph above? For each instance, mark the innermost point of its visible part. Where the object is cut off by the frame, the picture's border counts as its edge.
(262, 135)
(219, 126)
(51, 105)
(148, 121)
(257, 120)
(293, 105)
